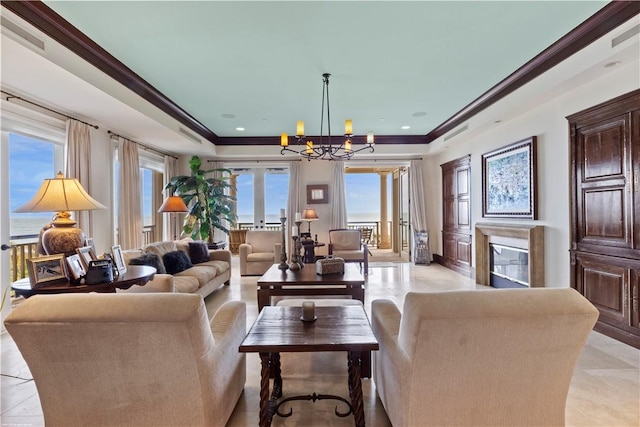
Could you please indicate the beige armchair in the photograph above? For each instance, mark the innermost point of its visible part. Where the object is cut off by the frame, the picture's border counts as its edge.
(347, 244)
(259, 252)
(132, 359)
(479, 358)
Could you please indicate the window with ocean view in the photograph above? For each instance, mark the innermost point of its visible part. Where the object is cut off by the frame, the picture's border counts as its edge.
(31, 161)
(363, 197)
(261, 193)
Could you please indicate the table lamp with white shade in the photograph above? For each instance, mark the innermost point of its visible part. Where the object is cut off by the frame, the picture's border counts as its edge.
(61, 195)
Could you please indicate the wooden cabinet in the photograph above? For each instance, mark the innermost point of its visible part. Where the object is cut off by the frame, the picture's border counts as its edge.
(605, 212)
(456, 215)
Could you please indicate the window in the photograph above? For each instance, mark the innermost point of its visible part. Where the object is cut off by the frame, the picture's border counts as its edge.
(261, 193)
(31, 161)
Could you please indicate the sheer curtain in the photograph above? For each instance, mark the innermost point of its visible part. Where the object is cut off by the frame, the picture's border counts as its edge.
(218, 235)
(78, 158)
(418, 211)
(338, 217)
(129, 205)
(293, 202)
(169, 221)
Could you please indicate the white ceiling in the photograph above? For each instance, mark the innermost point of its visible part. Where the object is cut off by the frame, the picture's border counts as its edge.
(262, 62)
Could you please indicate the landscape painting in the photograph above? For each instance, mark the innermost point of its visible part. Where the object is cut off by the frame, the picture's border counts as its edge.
(509, 181)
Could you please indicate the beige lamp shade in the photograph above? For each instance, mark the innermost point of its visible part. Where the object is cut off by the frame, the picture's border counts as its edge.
(173, 204)
(61, 195)
(309, 215)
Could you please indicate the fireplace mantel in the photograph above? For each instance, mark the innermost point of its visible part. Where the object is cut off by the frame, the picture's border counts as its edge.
(524, 236)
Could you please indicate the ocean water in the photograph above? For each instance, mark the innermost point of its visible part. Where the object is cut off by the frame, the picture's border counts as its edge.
(352, 217)
(27, 225)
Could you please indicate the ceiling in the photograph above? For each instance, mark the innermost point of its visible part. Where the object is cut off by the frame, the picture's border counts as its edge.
(258, 65)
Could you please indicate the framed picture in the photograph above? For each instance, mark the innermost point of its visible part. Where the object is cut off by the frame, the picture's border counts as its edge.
(317, 194)
(46, 270)
(89, 242)
(118, 259)
(509, 181)
(76, 267)
(86, 255)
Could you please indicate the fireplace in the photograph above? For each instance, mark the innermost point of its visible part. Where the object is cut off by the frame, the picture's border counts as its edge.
(509, 255)
(508, 267)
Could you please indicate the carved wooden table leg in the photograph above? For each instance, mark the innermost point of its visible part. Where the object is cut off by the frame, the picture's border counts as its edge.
(277, 376)
(355, 387)
(265, 415)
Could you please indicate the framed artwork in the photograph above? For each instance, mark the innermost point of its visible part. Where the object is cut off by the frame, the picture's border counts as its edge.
(317, 194)
(89, 242)
(86, 255)
(76, 267)
(118, 259)
(509, 181)
(46, 270)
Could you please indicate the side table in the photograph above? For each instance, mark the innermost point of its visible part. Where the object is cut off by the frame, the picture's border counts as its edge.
(135, 275)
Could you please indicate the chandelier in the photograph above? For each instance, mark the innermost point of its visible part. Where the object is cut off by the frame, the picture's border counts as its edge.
(326, 150)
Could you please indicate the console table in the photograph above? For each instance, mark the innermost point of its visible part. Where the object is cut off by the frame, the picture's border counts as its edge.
(135, 275)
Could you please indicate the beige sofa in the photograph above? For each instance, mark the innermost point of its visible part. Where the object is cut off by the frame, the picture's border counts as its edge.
(202, 278)
(479, 358)
(132, 359)
(259, 252)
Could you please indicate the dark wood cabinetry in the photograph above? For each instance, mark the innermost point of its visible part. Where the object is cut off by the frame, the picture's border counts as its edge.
(605, 212)
(456, 215)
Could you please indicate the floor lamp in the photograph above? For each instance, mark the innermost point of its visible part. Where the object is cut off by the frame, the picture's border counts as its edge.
(173, 205)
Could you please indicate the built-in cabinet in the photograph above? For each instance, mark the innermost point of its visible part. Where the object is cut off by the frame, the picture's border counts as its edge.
(605, 212)
(456, 215)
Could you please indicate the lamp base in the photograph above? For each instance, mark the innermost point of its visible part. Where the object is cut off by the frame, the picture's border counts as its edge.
(62, 240)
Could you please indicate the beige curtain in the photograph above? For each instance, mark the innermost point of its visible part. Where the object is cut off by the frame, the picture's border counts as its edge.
(129, 204)
(218, 235)
(293, 202)
(418, 207)
(337, 190)
(78, 159)
(169, 222)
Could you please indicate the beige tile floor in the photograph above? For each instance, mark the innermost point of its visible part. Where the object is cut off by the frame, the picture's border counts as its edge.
(605, 390)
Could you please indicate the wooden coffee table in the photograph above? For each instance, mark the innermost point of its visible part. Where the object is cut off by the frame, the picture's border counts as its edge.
(306, 282)
(279, 329)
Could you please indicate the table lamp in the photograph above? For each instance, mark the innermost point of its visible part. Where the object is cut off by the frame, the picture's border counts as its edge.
(309, 215)
(173, 205)
(61, 195)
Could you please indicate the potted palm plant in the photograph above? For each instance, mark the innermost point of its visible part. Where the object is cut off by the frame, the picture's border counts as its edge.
(209, 205)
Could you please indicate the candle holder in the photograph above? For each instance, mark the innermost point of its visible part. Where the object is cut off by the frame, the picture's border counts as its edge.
(295, 258)
(283, 251)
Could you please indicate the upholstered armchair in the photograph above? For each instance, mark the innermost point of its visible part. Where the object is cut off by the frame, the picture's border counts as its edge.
(132, 359)
(259, 252)
(347, 244)
(479, 358)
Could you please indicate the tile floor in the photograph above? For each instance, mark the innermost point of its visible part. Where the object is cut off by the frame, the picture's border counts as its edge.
(605, 390)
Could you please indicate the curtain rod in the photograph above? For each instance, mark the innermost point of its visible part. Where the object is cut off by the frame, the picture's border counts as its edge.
(11, 96)
(253, 161)
(140, 143)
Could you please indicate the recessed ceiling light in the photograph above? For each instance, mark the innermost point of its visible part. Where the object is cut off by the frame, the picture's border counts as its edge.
(381, 119)
(240, 129)
(611, 64)
(229, 116)
(497, 121)
(419, 114)
(405, 127)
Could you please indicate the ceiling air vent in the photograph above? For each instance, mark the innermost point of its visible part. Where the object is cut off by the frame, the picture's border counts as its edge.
(190, 136)
(21, 35)
(456, 132)
(625, 36)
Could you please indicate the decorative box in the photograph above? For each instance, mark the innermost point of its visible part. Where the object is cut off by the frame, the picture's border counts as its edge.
(330, 265)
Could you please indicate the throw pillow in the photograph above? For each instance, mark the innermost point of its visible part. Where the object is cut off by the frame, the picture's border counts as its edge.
(176, 261)
(152, 260)
(198, 252)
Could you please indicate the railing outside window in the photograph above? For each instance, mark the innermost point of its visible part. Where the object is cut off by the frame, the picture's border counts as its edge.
(22, 249)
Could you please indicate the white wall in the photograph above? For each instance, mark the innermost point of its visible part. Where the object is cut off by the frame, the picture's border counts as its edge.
(548, 123)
